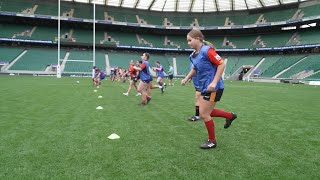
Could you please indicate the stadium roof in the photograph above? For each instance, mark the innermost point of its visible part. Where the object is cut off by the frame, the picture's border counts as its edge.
(191, 5)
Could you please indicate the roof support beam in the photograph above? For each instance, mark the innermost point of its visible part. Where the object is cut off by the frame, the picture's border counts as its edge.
(121, 2)
(137, 2)
(191, 6)
(217, 5)
(176, 7)
(165, 2)
(150, 4)
(232, 4)
(262, 4)
(245, 1)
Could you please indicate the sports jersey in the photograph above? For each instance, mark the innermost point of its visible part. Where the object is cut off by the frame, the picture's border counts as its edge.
(194, 78)
(145, 73)
(160, 72)
(206, 63)
(132, 71)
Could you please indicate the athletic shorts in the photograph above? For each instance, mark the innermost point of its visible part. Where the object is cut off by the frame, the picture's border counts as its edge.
(170, 77)
(103, 76)
(146, 81)
(134, 79)
(213, 96)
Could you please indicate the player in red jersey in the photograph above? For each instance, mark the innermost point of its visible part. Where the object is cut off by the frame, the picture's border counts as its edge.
(133, 78)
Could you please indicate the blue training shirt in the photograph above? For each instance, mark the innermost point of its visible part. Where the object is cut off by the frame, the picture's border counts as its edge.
(194, 78)
(145, 73)
(160, 72)
(205, 69)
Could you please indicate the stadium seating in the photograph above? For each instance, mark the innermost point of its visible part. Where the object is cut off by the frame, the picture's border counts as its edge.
(122, 59)
(315, 76)
(310, 63)
(124, 38)
(245, 60)
(283, 63)
(8, 54)
(84, 56)
(267, 63)
(183, 64)
(311, 10)
(36, 59)
(231, 63)
(15, 5)
(80, 10)
(310, 37)
(279, 15)
(153, 40)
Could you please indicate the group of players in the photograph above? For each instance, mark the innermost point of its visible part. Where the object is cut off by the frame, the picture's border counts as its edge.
(119, 74)
(141, 71)
(206, 73)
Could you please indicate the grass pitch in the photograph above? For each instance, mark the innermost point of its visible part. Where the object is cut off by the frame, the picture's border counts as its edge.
(50, 129)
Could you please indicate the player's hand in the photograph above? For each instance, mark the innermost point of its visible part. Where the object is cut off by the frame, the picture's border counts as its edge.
(184, 81)
(212, 87)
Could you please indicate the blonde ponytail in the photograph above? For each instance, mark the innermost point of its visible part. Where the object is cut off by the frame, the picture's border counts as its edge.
(207, 43)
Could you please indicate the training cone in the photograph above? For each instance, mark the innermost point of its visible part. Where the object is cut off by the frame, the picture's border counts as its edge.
(99, 97)
(114, 136)
(99, 107)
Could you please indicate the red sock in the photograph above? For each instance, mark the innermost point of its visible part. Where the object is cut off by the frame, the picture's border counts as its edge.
(221, 113)
(211, 131)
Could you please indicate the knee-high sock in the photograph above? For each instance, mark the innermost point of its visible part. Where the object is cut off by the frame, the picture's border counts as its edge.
(221, 113)
(211, 130)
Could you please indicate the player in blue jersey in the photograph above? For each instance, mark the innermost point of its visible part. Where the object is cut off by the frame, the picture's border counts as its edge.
(145, 78)
(208, 67)
(160, 74)
(99, 75)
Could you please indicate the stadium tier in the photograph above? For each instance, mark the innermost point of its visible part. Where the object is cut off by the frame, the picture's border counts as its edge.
(310, 63)
(183, 64)
(80, 61)
(281, 64)
(9, 54)
(267, 63)
(315, 76)
(80, 10)
(152, 40)
(36, 59)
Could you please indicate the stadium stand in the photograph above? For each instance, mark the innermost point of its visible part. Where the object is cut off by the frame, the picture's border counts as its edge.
(315, 76)
(36, 59)
(283, 63)
(310, 63)
(82, 65)
(8, 54)
(183, 64)
(267, 63)
(231, 63)
(80, 10)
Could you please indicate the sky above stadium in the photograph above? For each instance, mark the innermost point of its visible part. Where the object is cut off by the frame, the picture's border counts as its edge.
(191, 5)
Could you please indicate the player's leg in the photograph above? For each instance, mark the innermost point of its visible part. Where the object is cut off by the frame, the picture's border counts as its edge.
(130, 87)
(197, 102)
(229, 116)
(207, 103)
(143, 86)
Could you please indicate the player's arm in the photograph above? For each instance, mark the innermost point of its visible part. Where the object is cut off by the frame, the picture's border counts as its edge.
(189, 76)
(216, 60)
(142, 67)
